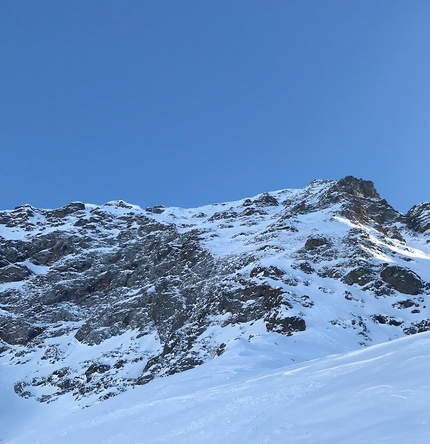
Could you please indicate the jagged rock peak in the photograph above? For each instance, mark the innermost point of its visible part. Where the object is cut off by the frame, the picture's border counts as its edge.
(357, 187)
(352, 198)
(348, 185)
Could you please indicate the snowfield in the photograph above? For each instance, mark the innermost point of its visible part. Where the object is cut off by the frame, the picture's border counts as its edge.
(250, 394)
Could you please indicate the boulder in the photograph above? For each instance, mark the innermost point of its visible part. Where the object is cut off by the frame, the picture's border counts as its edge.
(312, 243)
(403, 280)
(360, 276)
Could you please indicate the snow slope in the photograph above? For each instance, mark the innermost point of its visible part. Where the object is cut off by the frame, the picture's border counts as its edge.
(249, 395)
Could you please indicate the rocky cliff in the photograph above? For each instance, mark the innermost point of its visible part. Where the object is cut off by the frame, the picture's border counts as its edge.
(97, 299)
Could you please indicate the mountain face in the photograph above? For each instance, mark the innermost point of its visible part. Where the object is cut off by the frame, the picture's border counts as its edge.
(98, 299)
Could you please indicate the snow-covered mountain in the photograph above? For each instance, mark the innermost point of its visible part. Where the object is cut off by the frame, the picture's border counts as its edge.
(96, 300)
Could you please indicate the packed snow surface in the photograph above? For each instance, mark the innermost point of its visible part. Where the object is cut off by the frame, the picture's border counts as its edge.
(250, 395)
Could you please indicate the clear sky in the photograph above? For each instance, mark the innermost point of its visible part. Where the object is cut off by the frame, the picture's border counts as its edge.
(186, 102)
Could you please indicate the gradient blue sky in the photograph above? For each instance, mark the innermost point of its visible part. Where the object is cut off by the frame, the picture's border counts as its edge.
(191, 102)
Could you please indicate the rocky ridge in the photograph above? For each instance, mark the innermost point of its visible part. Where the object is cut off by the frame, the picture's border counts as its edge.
(97, 299)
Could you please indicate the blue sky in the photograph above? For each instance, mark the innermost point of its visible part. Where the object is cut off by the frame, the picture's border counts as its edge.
(193, 102)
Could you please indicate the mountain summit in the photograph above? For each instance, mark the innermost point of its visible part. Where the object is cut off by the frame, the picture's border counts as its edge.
(98, 299)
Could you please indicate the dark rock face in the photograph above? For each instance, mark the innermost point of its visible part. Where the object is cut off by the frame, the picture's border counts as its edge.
(418, 327)
(381, 319)
(266, 200)
(153, 292)
(18, 332)
(313, 243)
(71, 208)
(287, 325)
(273, 272)
(403, 280)
(357, 187)
(418, 218)
(13, 273)
(360, 276)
